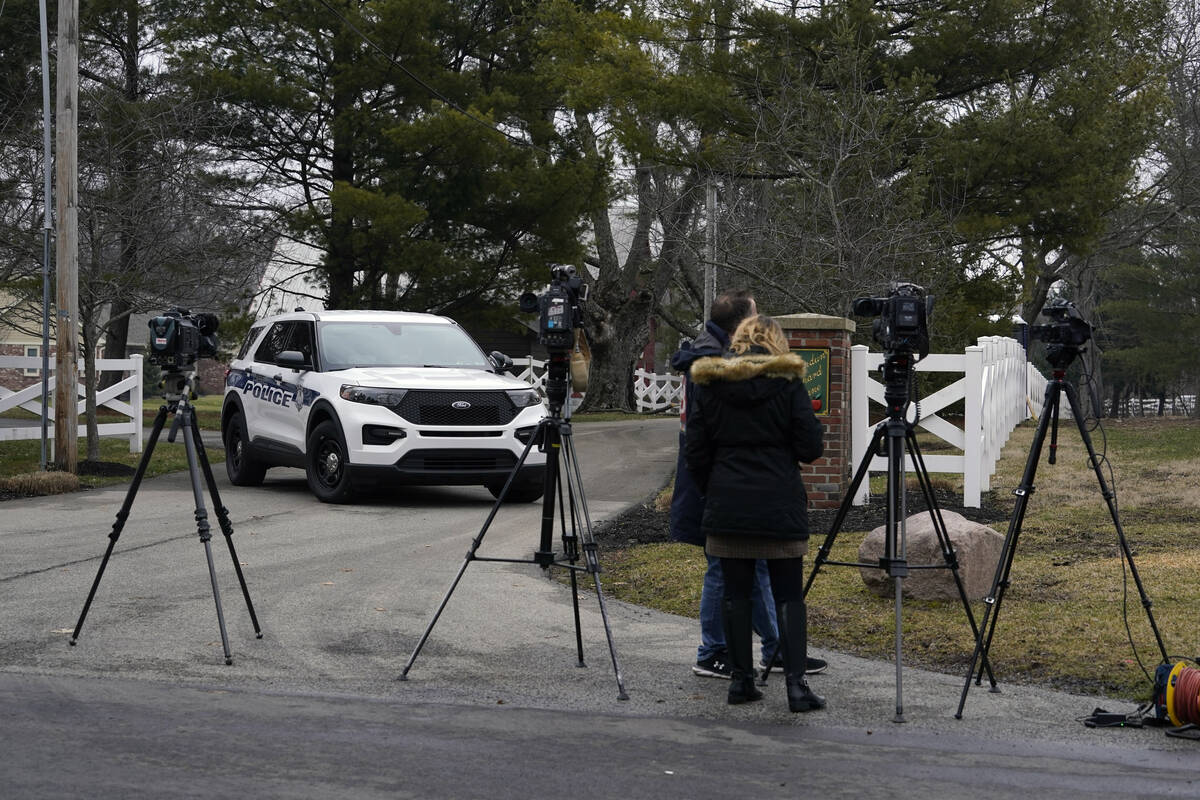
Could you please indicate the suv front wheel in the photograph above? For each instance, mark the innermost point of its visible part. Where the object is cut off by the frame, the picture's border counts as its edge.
(240, 466)
(327, 465)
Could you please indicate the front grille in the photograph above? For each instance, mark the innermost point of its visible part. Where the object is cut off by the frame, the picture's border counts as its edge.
(424, 407)
(457, 460)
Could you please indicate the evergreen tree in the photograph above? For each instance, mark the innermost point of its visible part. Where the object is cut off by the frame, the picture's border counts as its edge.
(406, 139)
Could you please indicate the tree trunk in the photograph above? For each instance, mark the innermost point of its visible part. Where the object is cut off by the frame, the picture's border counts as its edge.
(89, 391)
(115, 338)
(616, 339)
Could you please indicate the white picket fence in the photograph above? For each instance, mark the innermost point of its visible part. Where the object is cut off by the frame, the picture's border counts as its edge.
(30, 399)
(654, 392)
(999, 389)
(533, 372)
(651, 392)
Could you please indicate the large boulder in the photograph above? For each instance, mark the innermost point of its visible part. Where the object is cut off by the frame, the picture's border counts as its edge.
(978, 548)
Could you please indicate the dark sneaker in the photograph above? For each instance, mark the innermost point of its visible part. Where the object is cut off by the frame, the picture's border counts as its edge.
(714, 666)
(813, 667)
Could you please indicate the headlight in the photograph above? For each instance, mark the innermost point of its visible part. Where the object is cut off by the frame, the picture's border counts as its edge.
(524, 398)
(372, 396)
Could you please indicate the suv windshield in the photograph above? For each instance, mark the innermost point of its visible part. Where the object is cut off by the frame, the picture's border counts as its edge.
(396, 344)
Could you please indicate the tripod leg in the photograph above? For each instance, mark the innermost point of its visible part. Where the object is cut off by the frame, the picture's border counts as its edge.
(1000, 582)
(122, 515)
(844, 509)
(943, 536)
(544, 556)
(590, 551)
(202, 527)
(223, 520)
(826, 547)
(894, 555)
(475, 543)
(1109, 499)
(570, 539)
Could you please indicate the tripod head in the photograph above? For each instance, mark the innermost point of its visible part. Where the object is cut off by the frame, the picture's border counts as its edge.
(558, 381)
(178, 386)
(897, 380)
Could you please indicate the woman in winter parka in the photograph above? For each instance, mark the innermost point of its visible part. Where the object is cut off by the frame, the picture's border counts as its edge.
(751, 423)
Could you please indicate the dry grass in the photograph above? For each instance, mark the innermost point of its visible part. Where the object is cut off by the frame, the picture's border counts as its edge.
(1072, 617)
(40, 483)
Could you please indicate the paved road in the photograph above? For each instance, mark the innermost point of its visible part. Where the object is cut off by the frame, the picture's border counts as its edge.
(494, 706)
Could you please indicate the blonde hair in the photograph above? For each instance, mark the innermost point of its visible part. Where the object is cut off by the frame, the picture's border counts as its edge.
(762, 331)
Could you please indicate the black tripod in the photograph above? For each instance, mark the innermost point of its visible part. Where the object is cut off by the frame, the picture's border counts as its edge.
(1060, 358)
(890, 438)
(178, 390)
(553, 436)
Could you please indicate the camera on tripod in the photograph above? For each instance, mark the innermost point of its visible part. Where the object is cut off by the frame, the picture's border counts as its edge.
(559, 308)
(903, 321)
(1064, 335)
(179, 337)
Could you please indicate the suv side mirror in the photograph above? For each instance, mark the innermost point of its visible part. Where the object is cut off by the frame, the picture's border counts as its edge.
(292, 359)
(503, 363)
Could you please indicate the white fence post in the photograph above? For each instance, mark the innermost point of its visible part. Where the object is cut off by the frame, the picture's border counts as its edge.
(860, 435)
(974, 422)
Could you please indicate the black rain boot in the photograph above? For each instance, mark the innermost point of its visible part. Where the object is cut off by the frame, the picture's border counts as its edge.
(793, 641)
(735, 613)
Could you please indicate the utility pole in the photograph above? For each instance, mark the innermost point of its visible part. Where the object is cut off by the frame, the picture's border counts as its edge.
(66, 177)
(710, 239)
(47, 228)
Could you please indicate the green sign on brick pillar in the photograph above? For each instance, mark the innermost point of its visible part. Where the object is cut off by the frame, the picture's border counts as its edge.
(824, 342)
(816, 377)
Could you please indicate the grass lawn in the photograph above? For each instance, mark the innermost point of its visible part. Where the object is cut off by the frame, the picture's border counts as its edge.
(22, 457)
(1071, 619)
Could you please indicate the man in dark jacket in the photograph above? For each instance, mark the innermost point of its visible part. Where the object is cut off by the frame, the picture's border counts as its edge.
(687, 505)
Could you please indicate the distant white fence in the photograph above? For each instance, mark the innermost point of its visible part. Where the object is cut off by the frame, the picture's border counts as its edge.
(654, 392)
(999, 390)
(30, 399)
(533, 372)
(651, 392)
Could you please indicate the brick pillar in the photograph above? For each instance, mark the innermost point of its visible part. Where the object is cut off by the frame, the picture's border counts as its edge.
(825, 342)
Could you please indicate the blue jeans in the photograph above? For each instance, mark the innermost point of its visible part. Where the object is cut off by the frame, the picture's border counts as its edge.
(712, 629)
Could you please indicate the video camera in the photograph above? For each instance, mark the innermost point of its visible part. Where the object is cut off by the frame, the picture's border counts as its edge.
(1064, 335)
(903, 321)
(559, 308)
(178, 337)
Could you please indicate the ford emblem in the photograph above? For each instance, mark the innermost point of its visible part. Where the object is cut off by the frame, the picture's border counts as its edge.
(461, 405)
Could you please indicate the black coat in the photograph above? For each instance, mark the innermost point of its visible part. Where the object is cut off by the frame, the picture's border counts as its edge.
(687, 500)
(750, 423)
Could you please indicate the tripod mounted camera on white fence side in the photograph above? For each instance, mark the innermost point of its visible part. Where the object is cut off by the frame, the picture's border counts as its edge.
(901, 328)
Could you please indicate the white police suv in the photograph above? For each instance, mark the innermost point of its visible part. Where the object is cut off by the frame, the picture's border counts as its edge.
(357, 397)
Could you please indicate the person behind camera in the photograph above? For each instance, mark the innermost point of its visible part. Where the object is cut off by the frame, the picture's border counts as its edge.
(750, 424)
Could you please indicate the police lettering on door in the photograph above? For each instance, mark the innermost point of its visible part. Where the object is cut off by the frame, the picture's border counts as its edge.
(269, 393)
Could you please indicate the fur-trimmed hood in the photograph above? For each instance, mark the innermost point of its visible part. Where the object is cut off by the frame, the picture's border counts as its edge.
(789, 366)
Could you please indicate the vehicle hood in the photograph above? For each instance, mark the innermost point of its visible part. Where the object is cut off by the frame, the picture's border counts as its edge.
(447, 378)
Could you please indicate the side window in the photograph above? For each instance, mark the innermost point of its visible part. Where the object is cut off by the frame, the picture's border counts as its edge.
(273, 343)
(250, 337)
(302, 340)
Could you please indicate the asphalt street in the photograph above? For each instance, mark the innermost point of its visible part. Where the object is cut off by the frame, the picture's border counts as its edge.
(495, 705)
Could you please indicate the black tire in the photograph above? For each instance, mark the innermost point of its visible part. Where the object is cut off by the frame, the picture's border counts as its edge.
(327, 464)
(520, 492)
(240, 466)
